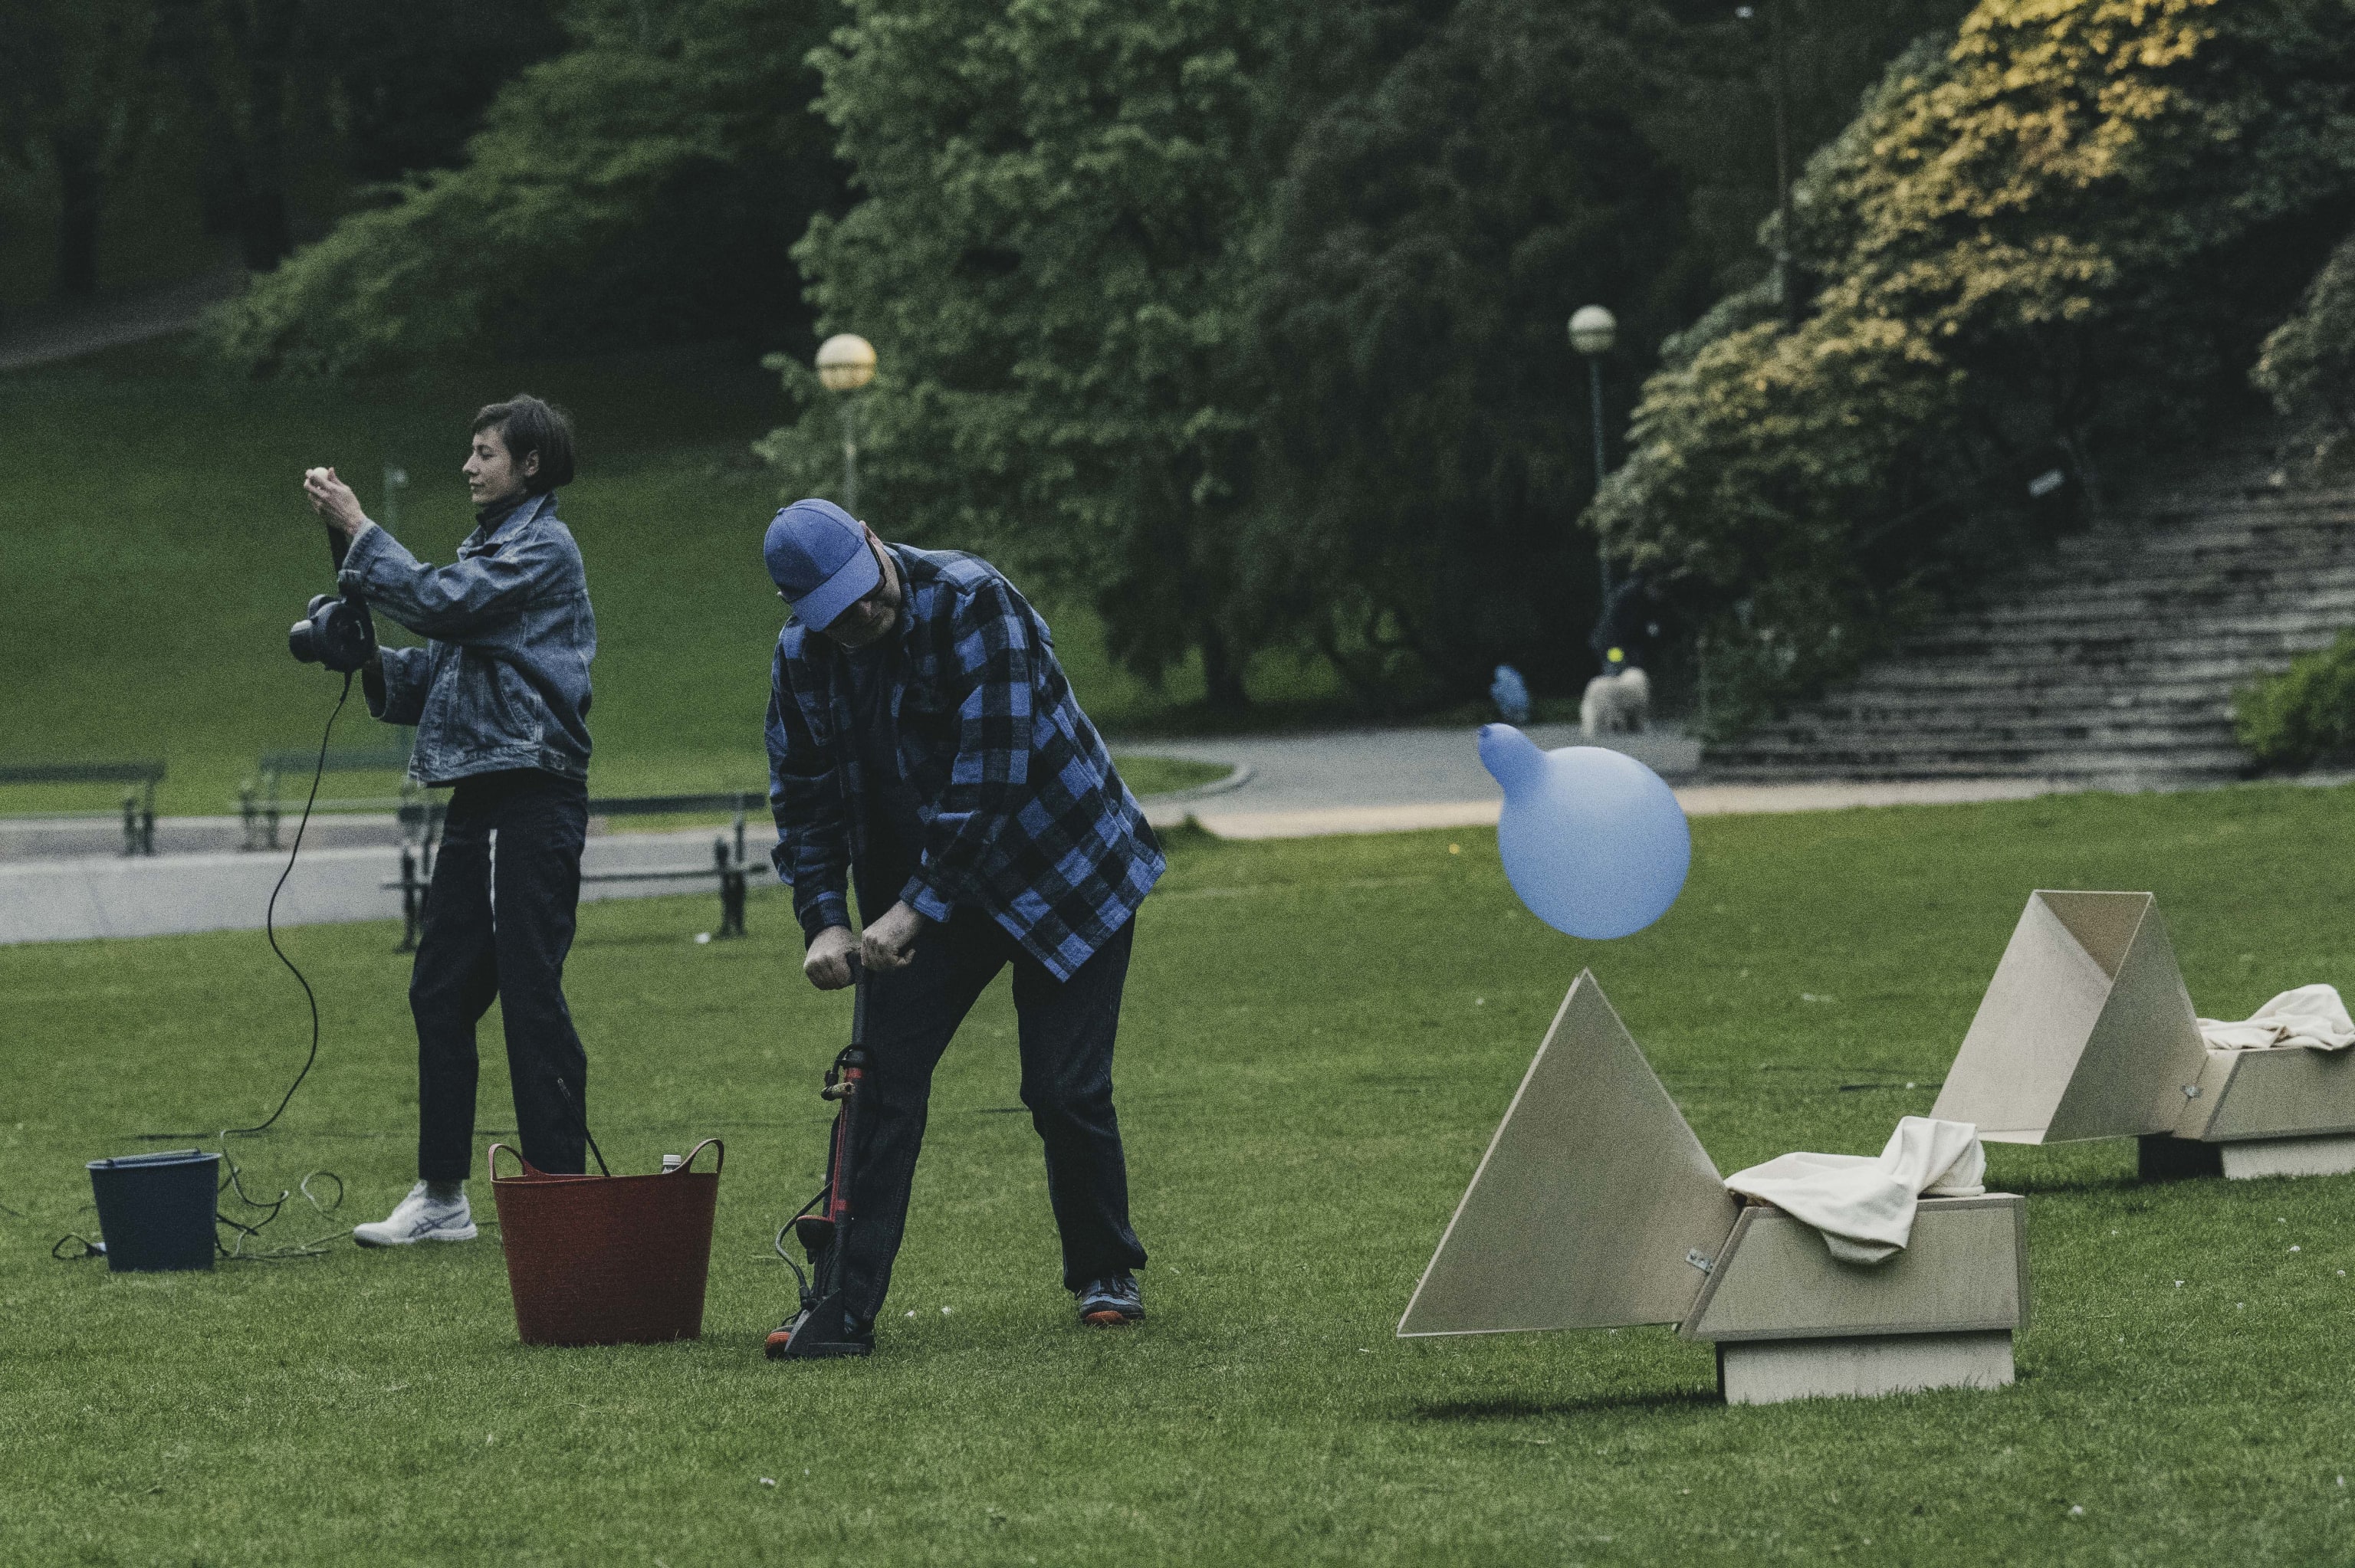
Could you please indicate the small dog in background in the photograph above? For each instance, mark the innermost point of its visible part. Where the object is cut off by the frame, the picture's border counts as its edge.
(1619, 703)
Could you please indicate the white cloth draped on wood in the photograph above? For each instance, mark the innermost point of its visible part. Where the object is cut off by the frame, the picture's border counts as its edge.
(2311, 1016)
(1864, 1206)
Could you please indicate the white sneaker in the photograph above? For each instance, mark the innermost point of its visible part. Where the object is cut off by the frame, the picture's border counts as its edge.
(421, 1217)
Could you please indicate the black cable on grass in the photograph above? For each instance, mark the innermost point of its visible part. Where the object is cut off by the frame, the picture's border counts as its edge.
(270, 929)
(231, 1180)
(316, 1246)
(237, 1250)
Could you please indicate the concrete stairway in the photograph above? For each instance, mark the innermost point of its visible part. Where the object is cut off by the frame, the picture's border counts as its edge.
(2112, 661)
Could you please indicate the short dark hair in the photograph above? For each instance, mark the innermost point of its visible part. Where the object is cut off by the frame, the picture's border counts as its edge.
(525, 425)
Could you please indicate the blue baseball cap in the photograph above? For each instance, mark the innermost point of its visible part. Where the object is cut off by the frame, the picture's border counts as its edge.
(819, 558)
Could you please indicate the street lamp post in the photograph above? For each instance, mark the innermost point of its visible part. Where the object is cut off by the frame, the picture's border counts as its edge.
(1593, 330)
(396, 479)
(1787, 293)
(845, 362)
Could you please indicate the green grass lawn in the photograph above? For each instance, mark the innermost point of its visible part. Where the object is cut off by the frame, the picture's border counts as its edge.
(1319, 1037)
(156, 548)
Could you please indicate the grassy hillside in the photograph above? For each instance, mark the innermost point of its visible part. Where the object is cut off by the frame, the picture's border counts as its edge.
(1318, 1038)
(156, 546)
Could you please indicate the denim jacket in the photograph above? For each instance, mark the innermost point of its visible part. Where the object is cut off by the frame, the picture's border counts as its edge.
(504, 680)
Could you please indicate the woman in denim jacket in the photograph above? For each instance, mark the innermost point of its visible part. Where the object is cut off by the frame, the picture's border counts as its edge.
(500, 698)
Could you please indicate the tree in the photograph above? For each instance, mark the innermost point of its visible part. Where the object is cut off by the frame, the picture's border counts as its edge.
(2057, 237)
(79, 99)
(645, 183)
(2307, 364)
(1429, 421)
(1052, 252)
(412, 81)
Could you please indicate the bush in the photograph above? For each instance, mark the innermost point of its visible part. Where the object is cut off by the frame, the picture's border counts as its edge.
(2308, 364)
(2308, 712)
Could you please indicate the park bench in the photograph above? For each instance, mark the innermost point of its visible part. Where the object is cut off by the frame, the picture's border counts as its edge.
(422, 820)
(138, 801)
(257, 801)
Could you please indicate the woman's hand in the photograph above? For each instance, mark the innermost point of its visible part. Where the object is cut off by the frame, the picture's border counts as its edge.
(331, 499)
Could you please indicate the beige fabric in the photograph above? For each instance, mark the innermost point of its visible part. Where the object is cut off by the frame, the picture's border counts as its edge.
(1864, 1206)
(2312, 1016)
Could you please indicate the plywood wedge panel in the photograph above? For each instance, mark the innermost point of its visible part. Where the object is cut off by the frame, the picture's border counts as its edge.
(1591, 1196)
(1965, 1271)
(2295, 1093)
(2085, 1031)
(2145, 1050)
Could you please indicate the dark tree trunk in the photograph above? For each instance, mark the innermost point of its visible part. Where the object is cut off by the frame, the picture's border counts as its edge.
(81, 189)
(262, 233)
(1222, 674)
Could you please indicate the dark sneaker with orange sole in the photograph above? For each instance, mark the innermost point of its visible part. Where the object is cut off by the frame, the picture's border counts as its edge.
(1112, 1302)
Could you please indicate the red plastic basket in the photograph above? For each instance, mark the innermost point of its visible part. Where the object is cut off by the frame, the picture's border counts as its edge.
(607, 1260)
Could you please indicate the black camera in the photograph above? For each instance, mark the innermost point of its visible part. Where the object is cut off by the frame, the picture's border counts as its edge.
(337, 632)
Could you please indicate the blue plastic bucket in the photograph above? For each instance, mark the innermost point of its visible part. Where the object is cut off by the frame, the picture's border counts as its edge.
(155, 1211)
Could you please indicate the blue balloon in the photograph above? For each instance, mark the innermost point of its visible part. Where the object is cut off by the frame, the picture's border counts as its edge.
(1592, 841)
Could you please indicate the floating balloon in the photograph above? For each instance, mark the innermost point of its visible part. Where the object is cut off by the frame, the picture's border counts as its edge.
(1592, 841)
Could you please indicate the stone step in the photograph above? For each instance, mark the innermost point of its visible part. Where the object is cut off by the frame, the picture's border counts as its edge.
(2118, 652)
(2117, 655)
(2059, 770)
(1797, 739)
(2310, 583)
(2047, 683)
(2024, 761)
(1962, 718)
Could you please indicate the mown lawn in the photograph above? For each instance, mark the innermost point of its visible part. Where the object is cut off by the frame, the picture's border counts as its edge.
(156, 546)
(1318, 1039)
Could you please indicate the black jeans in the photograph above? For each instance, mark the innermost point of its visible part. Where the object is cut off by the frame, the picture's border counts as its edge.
(1066, 1032)
(502, 934)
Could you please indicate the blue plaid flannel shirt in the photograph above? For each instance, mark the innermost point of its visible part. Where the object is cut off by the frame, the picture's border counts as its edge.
(1024, 815)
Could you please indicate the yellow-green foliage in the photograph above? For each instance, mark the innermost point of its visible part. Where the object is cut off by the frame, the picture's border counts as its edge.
(2040, 236)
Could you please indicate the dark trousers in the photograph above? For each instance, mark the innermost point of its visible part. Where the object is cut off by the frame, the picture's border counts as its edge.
(1066, 1032)
(502, 933)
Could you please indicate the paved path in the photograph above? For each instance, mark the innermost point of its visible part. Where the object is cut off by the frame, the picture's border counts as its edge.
(50, 333)
(1386, 781)
(70, 899)
(1362, 781)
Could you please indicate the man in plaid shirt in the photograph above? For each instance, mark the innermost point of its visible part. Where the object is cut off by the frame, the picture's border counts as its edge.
(925, 746)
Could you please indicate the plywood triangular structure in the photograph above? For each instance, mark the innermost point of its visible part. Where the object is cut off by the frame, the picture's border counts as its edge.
(2086, 1030)
(1591, 1194)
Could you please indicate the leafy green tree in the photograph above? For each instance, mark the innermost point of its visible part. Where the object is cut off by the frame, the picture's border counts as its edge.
(252, 72)
(1429, 419)
(2307, 365)
(2058, 236)
(411, 81)
(78, 100)
(645, 183)
(1051, 253)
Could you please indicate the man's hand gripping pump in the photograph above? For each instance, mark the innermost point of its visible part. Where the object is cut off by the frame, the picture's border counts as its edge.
(820, 1329)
